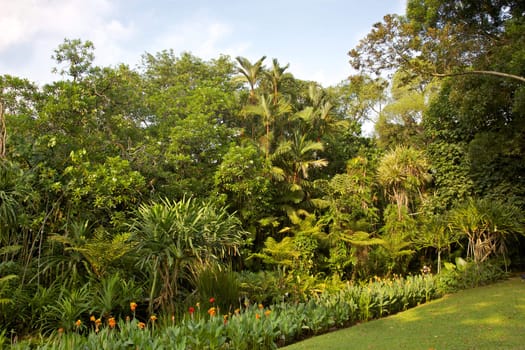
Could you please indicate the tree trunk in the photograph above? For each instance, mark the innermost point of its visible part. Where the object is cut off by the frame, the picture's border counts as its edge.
(3, 132)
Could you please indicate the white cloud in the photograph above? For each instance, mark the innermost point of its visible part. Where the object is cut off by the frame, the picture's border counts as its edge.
(201, 35)
(41, 25)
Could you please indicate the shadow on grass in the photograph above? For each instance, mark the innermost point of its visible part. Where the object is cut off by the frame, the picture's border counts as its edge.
(490, 317)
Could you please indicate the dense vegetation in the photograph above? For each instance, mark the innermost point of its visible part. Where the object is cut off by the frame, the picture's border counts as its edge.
(184, 180)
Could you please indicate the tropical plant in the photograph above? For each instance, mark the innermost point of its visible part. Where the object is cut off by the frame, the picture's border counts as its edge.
(250, 73)
(488, 225)
(174, 239)
(436, 233)
(403, 172)
(297, 156)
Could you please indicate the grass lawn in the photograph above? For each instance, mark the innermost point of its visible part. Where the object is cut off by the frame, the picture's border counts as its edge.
(490, 317)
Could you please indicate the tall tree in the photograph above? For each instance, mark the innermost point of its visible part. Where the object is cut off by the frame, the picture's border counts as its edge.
(403, 172)
(250, 73)
(77, 56)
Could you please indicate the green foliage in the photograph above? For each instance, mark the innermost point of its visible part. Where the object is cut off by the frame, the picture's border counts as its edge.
(106, 188)
(77, 55)
(70, 306)
(244, 177)
(88, 157)
(174, 239)
(254, 326)
(219, 283)
(463, 275)
(488, 225)
(403, 174)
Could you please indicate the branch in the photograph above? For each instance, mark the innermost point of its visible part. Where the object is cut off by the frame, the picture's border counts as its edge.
(482, 72)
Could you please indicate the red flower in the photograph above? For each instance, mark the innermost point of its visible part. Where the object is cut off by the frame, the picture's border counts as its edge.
(212, 300)
(191, 310)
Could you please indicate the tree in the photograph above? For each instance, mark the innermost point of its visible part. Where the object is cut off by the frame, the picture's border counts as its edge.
(441, 38)
(401, 120)
(436, 233)
(321, 118)
(360, 98)
(250, 73)
(275, 75)
(269, 112)
(191, 106)
(403, 172)
(18, 98)
(244, 178)
(78, 57)
(297, 156)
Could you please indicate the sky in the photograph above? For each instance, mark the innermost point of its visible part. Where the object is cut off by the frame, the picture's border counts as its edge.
(312, 36)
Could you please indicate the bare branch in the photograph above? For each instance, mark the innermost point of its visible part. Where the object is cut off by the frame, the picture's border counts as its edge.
(481, 72)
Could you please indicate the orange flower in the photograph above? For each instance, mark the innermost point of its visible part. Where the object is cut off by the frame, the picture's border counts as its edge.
(141, 325)
(237, 311)
(133, 306)
(212, 311)
(267, 313)
(257, 316)
(112, 323)
(225, 318)
(153, 318)
(92, 318)
(78, 323)
(98, 322)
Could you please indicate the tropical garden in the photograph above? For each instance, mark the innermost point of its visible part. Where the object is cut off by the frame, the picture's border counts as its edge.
(222, 204)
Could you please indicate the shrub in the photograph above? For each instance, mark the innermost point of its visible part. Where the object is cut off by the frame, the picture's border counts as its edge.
(463, 275)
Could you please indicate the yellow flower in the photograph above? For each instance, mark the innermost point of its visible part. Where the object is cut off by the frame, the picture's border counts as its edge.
(112, 323)
(98, 322)
(141, 325)
(78, 323)
(132, 306)
(237, 311)
(212, 311)
(153, 318)
(92, 318)
(261, 306)
(267, 313)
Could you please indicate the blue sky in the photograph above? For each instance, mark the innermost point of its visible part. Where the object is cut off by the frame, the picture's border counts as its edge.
(313, 36)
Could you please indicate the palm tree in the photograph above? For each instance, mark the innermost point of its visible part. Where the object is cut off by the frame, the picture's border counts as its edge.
(299, 155)
(275, 75)
(320, 116)
(269, 113)
(403, 173)
(436, 234)
(250, 74)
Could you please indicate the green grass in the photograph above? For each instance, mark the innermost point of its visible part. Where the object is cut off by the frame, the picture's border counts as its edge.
(490, 317)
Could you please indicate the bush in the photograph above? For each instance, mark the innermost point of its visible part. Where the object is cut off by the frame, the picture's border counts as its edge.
(464, 275)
